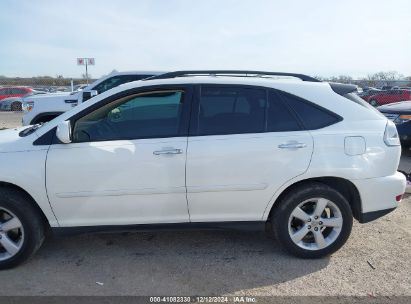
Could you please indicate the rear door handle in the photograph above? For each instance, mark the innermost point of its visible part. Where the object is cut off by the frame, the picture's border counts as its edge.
(168, 152)
(292, 145)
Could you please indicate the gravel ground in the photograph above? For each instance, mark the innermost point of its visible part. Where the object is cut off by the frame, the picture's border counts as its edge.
(10, 119)
(375, 261)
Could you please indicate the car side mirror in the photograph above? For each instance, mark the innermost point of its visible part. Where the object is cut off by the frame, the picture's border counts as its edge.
(63, 132)
(89, 94)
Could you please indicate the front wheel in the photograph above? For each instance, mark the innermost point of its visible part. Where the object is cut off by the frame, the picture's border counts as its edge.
(312, 221)
(16, 107)
(21, 228)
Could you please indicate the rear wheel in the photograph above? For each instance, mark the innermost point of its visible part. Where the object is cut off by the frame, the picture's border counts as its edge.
(312, 221)
(21, 228)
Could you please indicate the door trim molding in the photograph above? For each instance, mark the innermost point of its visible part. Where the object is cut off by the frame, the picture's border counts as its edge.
(232, 187)
(121, 192)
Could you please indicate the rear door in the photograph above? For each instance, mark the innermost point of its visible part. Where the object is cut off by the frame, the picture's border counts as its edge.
(244, 144)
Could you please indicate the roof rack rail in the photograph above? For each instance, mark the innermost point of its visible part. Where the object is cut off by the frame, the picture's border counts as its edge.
(231, 73)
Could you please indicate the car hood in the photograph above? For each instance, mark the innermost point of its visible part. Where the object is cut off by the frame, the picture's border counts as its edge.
(397, 107)
(10, 141)
(10, 100)
(49, 95)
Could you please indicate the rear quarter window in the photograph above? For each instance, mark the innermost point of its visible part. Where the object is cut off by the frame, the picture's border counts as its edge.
(311, 115)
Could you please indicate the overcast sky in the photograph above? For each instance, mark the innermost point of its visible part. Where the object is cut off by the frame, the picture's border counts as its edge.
(354, 37)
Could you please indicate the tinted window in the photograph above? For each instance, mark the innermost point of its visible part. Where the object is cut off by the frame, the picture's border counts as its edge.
(17, 91)
(148, 115)
(279, 117)
(312, 116)
(116, 81)
(231, 110)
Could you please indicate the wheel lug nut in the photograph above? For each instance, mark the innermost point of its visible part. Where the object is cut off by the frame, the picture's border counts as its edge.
(309, 220)
(316, 228)
(316, 217)
(309, 227)
(321, 223)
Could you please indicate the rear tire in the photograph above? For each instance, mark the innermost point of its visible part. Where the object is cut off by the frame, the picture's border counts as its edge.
(312, 221)
(20, 243)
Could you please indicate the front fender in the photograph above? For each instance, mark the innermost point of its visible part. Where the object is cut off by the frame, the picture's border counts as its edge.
(26, 170)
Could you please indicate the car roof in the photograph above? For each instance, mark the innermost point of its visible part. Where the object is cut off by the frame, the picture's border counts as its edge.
(115, 73)
(270, 82)
(16, 87)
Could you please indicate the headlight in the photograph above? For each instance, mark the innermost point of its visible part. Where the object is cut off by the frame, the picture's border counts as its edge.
(402, 118)
(28, 106)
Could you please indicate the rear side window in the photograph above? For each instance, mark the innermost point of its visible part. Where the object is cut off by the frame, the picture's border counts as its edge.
(231, 110)
(312, 116)
(279, 118)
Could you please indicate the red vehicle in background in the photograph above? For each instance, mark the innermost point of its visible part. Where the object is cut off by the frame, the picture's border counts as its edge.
(389, 96)
(6, 92)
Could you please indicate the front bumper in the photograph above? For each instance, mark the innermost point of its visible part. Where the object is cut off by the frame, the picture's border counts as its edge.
(378, 195)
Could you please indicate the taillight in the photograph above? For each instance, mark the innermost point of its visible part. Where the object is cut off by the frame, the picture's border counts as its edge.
(391, 137)
(398, 198)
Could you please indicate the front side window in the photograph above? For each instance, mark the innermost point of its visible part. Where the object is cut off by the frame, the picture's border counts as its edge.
(145, 115)
(231, 110)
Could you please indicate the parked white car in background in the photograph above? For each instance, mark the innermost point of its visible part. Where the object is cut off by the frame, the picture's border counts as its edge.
(44, 108)
(206, 149)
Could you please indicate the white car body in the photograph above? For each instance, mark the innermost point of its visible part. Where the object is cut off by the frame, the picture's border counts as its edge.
(215, 177)
(300, 158)
(51, 105)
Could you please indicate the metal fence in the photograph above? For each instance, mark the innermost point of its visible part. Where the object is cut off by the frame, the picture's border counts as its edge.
(48, 84)
(376, 92)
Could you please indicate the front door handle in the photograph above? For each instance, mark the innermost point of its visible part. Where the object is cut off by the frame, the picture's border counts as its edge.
(292, 145)
(168, 152)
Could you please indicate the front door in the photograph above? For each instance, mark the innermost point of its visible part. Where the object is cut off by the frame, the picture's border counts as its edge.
(126, 164)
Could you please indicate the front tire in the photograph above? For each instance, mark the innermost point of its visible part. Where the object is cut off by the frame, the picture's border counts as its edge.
(312, 221)
(16, 107)
(22, 229)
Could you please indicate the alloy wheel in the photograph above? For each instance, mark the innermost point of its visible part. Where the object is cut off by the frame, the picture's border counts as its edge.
(315, 224)
(11, 234)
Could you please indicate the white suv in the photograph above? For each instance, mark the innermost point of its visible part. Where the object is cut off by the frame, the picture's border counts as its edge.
(204, 149)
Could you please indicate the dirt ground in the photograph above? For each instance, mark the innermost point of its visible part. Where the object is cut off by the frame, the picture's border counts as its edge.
(375, 261)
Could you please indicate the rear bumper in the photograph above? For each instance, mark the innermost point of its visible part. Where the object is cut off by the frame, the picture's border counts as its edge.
(371, 216)
(378, 195)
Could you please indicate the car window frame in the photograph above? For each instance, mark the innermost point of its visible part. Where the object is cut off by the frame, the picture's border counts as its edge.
(185, 114)
(194, 118)
(193, 128)
(337, 117)
(143, 76)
